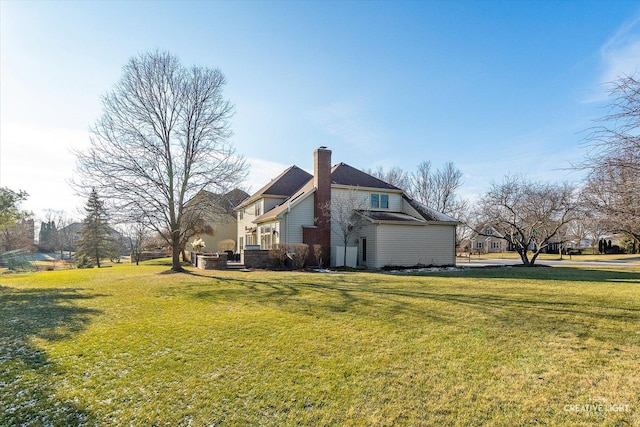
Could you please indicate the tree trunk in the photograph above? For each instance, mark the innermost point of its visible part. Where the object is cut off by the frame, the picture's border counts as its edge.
(175, 257)
(524, 258)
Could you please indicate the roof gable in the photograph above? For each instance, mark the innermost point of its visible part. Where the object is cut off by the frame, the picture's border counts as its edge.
(295, 198)
(284, 185)
(343, 174)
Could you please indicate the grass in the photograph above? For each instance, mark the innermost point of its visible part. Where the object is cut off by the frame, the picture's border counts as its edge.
(131, 345)
(634, 258)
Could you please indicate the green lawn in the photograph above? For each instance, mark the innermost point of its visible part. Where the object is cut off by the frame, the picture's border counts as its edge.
(131, 345)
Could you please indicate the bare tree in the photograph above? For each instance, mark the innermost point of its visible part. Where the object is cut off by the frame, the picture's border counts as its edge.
(527, 214)
(613, 160)
(138, 234)
(347, 210)
(614, 192)
(55, 233)
(437, 189)
(395, 176)
(162, 138)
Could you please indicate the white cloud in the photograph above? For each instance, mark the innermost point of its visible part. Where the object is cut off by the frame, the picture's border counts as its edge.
(621, 53)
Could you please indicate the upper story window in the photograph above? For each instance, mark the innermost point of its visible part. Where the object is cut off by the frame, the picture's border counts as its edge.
(241, 214)
(257, 209)
(379, 201)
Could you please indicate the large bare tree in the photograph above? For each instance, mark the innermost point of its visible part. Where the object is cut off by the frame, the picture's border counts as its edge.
(612, 186)
(527, 214)
(163, 137)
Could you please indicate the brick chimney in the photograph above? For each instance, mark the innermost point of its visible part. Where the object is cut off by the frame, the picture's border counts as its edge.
(322, 197)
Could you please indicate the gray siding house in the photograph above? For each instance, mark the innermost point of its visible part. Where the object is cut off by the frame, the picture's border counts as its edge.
(396, 230)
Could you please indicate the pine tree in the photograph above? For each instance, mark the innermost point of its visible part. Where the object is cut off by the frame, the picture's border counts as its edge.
(95, 236)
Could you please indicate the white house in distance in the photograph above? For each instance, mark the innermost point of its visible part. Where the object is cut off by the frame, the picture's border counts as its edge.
(397, 231)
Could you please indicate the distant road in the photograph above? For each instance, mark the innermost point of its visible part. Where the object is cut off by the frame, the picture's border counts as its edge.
(464, 262)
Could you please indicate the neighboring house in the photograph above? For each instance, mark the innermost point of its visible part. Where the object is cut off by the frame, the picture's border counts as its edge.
(219, 217)
(17, 236)
(72, 233)
(488, 241)
(397, 230)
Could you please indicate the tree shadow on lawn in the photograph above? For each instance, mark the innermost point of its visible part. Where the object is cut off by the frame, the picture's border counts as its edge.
(565, 274)
(28, 375)
(571, 313)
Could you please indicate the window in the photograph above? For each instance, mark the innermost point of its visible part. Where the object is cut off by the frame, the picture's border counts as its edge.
(380, 201)
(257, 209)
(495, 245)
(241, 214)
(384, 201)
(479, 245)
(375, 200)
(489, 232)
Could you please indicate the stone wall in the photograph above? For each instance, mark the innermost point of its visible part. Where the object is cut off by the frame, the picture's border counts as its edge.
(212, 262)
(258, 258)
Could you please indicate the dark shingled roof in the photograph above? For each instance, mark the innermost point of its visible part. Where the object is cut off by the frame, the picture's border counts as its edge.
(283, 185)
(391, 216)
(343, 174)
(287, 183)
(427, 213)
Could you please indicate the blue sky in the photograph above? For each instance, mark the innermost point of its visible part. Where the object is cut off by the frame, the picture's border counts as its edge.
(495, 86)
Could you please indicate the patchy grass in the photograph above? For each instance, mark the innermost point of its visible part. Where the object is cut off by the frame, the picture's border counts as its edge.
(129, 345)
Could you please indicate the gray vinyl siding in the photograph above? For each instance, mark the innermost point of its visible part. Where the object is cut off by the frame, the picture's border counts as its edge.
(271, 202)
(406, 245)
(368, 232)
(300, 214)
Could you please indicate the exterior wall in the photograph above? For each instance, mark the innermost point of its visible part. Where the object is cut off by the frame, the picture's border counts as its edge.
(245, 219)
(368, 232)
(291, 224)
(226, 228)
(405, 245)
(269, 203)
(395, 205)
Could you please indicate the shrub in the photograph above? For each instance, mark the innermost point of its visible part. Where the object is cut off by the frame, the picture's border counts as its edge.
(226, 245)
(84, 262)
(279, 253)
(317, 252)
(299, 253)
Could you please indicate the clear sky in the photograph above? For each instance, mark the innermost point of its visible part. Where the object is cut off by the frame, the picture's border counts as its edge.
(496, 87)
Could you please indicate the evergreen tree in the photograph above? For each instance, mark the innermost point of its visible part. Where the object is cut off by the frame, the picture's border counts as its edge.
(95, 236)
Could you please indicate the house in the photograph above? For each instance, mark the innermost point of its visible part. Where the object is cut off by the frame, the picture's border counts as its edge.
(218, 217)
(488, 241)
(70, 235)
(18, 236)
(395, 231)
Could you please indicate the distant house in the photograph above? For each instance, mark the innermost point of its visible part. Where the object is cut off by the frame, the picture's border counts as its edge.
(219, 217)
(489, 240)
(396, 231)
(71, 234)
(17, 236)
